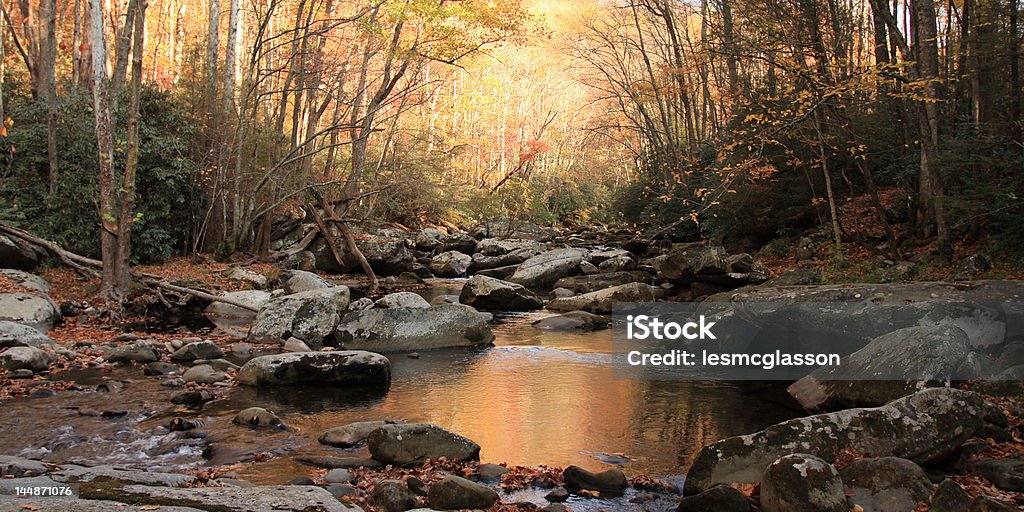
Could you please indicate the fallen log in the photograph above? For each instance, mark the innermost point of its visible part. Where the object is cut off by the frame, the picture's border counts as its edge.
(88, 266)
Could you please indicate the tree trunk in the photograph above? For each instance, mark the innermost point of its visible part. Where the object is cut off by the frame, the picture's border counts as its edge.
(127, 188)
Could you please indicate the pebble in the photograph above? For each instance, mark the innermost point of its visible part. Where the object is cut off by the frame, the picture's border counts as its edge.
(301, 480)
(558, 495)
(413, 355)
(342, 490)
(339, 476)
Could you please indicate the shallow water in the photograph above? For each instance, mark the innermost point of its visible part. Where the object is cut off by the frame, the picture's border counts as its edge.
(534, 398)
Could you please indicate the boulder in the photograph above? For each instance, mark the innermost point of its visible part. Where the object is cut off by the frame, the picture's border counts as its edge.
(254, 298)
(594, 282)
(295, 281)
(498, 247)
(802, 483)
(450, 264)
(203, 374)
(886, 484)
(295, 345)
(407, 329)
(457, 493)
(544, 269)
(198, 350)
(939, 352)
(17, 335)
(32, 309)
(246, 276)
(499, 272)
(1006, 474)
(611, 482)
(924, 427)
(429, 239)
(720, 498)
(347, 436)
(401, 300)
(18, 255)
(621, 263)
(459, 242)
(17, 467)
(30, 358)
(392, 496)
(574, 321)
(257, 417)
(387, 256)
(990, 504)
(588, 268)
(600, 302)
(949, 496)
(484, 262)
(309, 316)
(405, 444)
(30, 281)
(283, 498)
(323, 368)
(488, 293)
(684, 265)
(136, 351)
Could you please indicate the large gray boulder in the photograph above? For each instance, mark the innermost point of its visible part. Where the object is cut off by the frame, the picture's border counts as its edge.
(939, 353)
(405, 444)
(30, 281)
(544, 269)
(924, 427)
(135, 352)
(689, 263)
(611, 481)
(295, 281)
(284, 498)
(18, 255)
(387, 256)
(460, 242)
(457, 493)
(484, 262)
(600, 302)
(392, 496)
(802, 483)
(32, 309)
(429, 239)
(401, 300)
(488, 293)
(31, 358)
(886, 484)
(574, 321)
(499, 246)
(450, 264)
(594, 282)
(322, 368)
(309, 316)
(229, 315)
(17, 335)
(407, 329)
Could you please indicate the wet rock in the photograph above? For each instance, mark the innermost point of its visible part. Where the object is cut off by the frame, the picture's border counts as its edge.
(557, 495)
(499, 272)
(457, 493)
(450, 264)
(73, 473)
(32, 309)
(392, 496)
(17, 335)
(21, 374)
(339, 476)
(556, 507)
(17, 467)
(405, 444)
(342, 490)
(286, 498)
(429, 239)
(29, 358)
(295, 345)
(42, 393)
(544, 269)
(258, 417)
(351, 367)
(339, 462)
(444, 299)
(460, 242)
(802, 483)
(612, 481)
(406, 329)
(203, 374)
(950, 497)
(18, 255)
(1006, 474)
(886, 484)
(940, 352)
(990, 504)
(720, 498)
(296, 281)
(924, 427)
(309, 316)
(416, 486)
(401, 300)
(198, 350)
(192, 398)
(490, 471)
(246, 276)
(488, 293)
(301, 480)
(600, 302)
(574, 321)
(621, 263)
(595, 282)
(485, 262)
(347, 436)
(136, 351)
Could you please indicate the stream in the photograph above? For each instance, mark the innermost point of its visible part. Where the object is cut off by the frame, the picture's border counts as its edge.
(534, 398)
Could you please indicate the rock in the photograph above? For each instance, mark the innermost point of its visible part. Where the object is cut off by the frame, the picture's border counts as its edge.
(620, 263)
(561, 293)
(246, 276)
(457, 493)
(594, 282)
(589, 268)
(684, 265)
(73, 473)
(218, 364)
(301, 480)
(574, 321)
(924, 427)
(405, 444)
(339, 462)
(18, 255)
(361, 304)
(797, 277)
(284, 498)
(601, 301)
(192, 398)
(31, 309)
(23, 373)
(350, 435)
(295, 345)
(444, 299)
(387, 256)
(557, 495)
(297, 281)
(198, 350)
(611, 482)
(136, 351)
(950, 497)
(450, 264)
(254, 298)
(1006, 474)
(459, 242)
(342, 490)
(24, 279)
(17, 467)
(490, 471)
(302, 260)
(720, 498)
(257, 417)
(429, 239)
(407, 329)
(401, 300)
(939, 351)
(203, 374)
(498, 247)
(990, 504)
(544, 269)
(969, 268)
(886, 484)
(488, 293)
(336, 368)
(309, 316)
(742, 263)
(802, 483)
(417, 486)
(556, 507)
(339, 476)
(485, 262)
(392, 496)
(17, 335)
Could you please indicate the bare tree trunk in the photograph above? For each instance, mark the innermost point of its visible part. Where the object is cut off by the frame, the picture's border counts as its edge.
(230, 61)
(127, 189)
(48, 59)
(212, 49)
